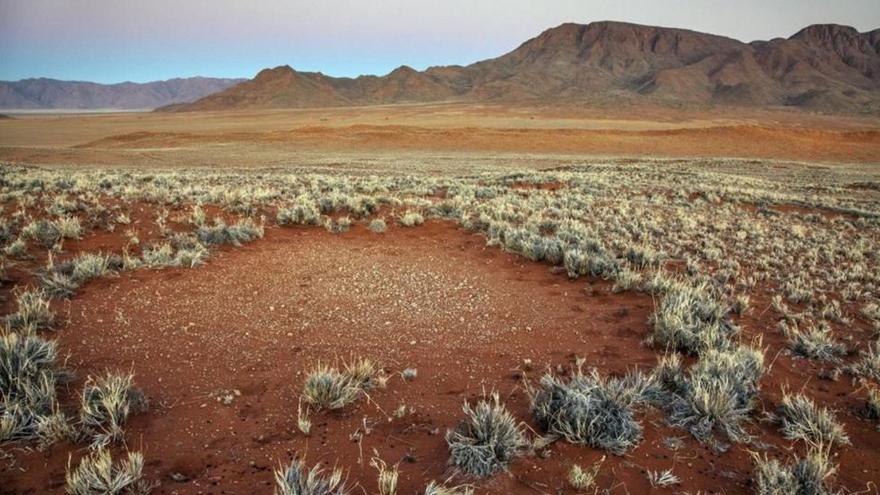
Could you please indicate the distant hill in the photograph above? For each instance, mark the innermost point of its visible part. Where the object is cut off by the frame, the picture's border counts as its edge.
(40, 94)
(822, 67)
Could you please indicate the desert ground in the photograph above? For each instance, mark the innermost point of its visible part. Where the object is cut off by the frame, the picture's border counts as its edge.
(664, 301)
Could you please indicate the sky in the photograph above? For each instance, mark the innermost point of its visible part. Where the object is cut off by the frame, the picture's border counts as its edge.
(146, 40)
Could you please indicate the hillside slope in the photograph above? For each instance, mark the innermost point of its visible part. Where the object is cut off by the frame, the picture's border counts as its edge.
(33, 94)
(822, 67)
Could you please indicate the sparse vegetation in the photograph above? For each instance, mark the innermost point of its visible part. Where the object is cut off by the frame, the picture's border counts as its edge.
(28, 378)
(801, 419)
(435, 488)
(487, 440)
(592, 410)
(96, 473)
(717, 393)
(807, 475)
(107, 402)
(708, 251)
(387, 479)
(328, 387)
(582, 479)
(816, 342)
(691, 320)
(378, 225)
(33, 312)
(295, 479)
(411, 219)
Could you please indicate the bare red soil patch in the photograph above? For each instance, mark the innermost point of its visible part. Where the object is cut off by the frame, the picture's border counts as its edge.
(435, 298)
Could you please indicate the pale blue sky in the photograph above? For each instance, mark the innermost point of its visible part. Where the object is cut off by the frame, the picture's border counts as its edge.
(145, 40)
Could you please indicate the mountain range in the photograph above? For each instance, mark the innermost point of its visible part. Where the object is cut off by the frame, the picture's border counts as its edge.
(823, 67)
(42, 93)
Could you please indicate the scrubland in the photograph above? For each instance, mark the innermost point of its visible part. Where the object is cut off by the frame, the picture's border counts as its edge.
(747, 359)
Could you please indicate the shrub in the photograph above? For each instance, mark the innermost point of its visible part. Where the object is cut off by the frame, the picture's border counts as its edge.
(327, 387)
(295, 480)
(690, 320)
(807, 476)
(411, 219)
(816, 342)
(33, 312)
(487, 441)
(592, 410)
(96, 474)
(27, 386)
(106, 404)
(801, 419)
(378, 226)
(717, 393)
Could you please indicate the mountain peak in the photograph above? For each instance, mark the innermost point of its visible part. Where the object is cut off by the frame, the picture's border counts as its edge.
(826, 67)
(825, 31)
(403, 70)
(275, 73)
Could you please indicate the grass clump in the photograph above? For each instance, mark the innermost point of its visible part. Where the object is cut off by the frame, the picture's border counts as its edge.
(105, 406)
(869, 364)
(583, 479)
(57, 284)
(44, 232)
(804, 476)
(164, 255)
(435, 488)
(296, 480)
(89, 265)
(815, 342)
(717, 393)
(69, 227)
(220, 233)
(387, 476)
(487, 441)
(411, 219)
(33, 312)
(690, 320)
(97, 474)
(301, 214)
(16, 249)
(338, 226)
(28, 377)
(62, 279)
(378, 226)
(328, 387)
(802, 419)
(592, 410)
